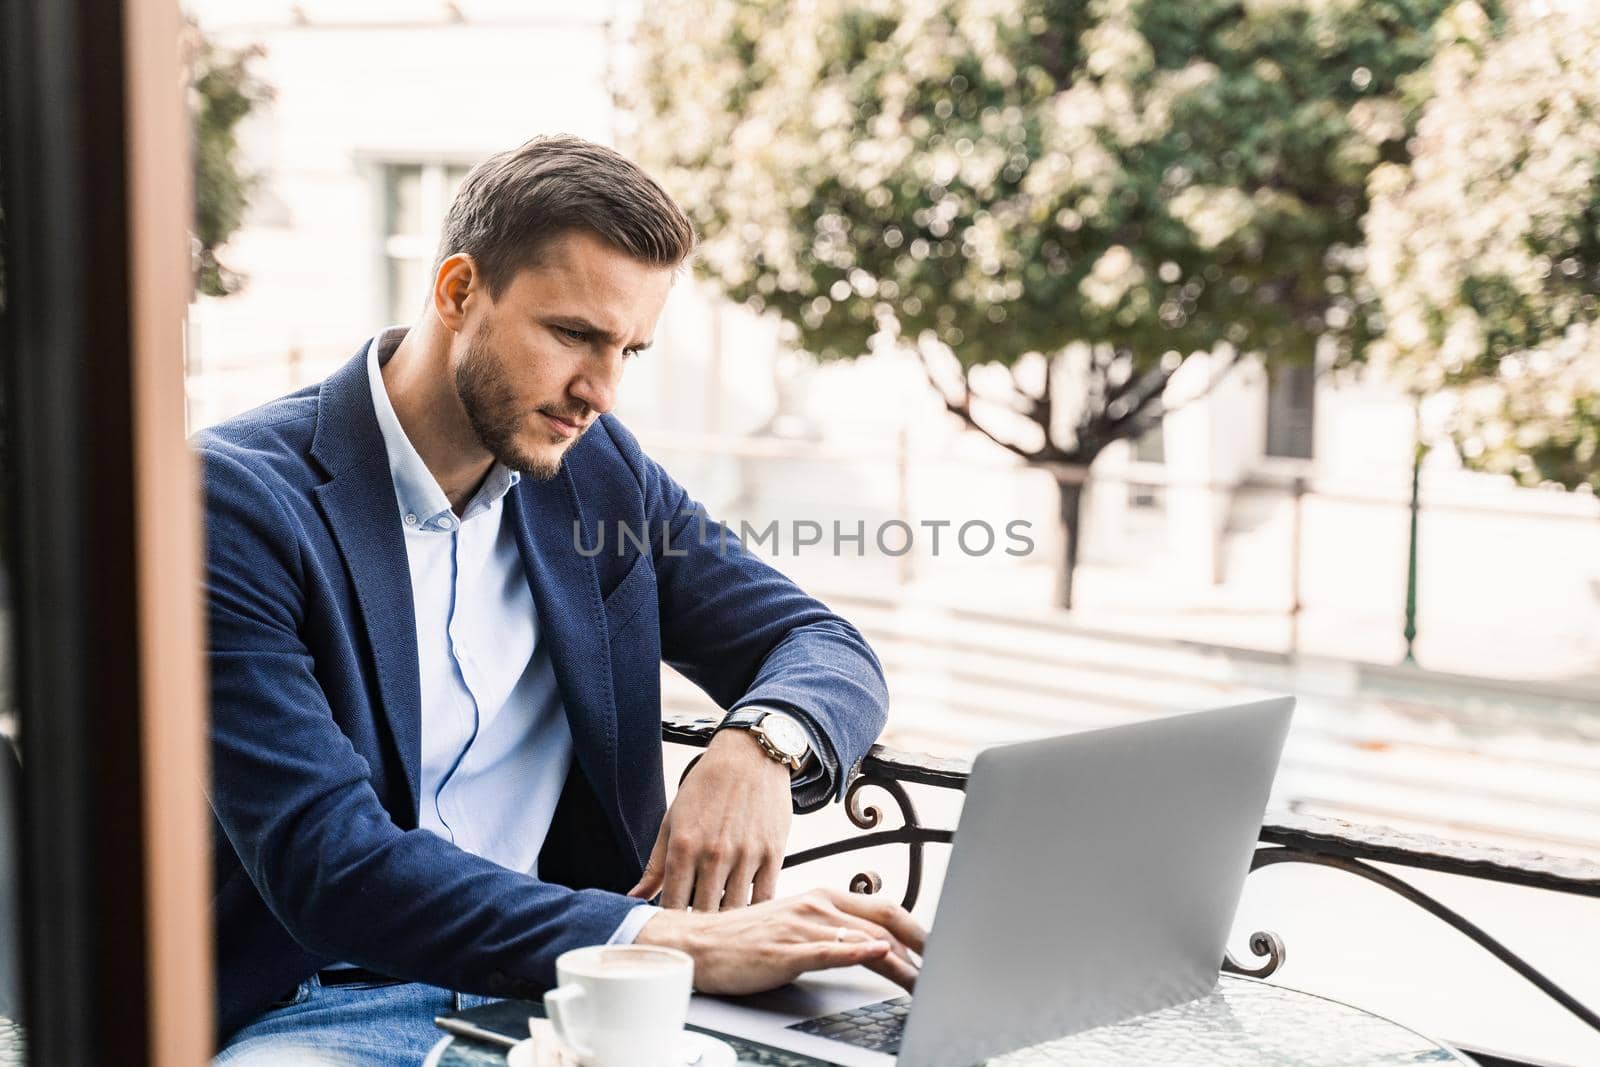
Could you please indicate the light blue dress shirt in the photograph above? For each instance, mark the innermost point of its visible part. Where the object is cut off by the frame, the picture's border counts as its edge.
(496, 748)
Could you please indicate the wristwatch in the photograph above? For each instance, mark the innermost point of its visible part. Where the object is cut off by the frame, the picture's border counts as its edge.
(780, 736)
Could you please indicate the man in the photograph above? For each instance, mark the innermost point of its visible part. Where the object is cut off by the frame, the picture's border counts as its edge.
(436, 720)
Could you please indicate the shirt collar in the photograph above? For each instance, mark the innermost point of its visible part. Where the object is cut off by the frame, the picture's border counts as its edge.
(422, 503)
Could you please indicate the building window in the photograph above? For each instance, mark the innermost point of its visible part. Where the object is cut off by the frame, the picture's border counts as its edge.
(415, 197)
(1149, 447)
(1291, 406)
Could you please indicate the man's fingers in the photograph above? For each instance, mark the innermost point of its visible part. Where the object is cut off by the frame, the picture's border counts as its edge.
(650, 882)
(737, 894)
(710, 878)
(872, 931)
(891, 917)
(897, 964)
(766, 881)
(896, 969)
(677, 880)
(823, 954)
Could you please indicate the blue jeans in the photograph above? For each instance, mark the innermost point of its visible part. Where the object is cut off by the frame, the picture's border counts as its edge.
(346, 1026)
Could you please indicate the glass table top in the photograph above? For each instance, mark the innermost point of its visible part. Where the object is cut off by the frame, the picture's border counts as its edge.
(1242, 1022)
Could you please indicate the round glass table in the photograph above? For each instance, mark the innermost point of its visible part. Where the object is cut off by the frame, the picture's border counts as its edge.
(1242, 1022)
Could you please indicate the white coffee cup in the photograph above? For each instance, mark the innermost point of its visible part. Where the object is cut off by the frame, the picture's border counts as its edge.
(621, 1005)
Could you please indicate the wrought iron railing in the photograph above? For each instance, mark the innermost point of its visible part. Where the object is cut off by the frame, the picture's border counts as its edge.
(1321, 842)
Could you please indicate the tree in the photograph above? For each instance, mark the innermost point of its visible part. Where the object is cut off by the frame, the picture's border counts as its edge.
(1486, 245)
(1082, 194)
(223, 91)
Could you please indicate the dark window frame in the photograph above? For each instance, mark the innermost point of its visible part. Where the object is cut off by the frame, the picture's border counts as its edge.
(83, 185)
(1291, 406)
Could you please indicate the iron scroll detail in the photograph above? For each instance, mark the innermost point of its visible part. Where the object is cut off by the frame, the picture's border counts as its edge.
(1262, 943)
(865, 816)
(1269, 945)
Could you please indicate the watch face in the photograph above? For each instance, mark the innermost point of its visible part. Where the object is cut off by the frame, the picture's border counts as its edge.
(785, 735)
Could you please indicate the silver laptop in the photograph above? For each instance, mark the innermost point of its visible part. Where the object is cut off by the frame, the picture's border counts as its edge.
(1094, 877)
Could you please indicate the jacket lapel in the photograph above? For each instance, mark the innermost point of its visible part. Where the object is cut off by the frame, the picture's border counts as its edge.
(566, 594)
(359, 504)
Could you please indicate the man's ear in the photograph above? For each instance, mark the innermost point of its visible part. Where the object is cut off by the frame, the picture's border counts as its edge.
(455, 281)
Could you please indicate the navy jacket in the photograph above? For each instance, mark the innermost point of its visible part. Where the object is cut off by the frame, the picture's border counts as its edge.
(315, 716)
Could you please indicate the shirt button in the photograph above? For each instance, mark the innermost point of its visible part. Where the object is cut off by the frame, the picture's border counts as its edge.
(447, 522)
(411, 520)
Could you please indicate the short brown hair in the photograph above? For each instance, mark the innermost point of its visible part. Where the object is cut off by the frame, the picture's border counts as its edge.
(513, 203)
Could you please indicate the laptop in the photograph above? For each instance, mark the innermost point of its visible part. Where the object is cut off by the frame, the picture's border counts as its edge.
(1094, 877)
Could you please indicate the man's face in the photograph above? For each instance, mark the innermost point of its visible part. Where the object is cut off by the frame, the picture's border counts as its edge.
(542, 362)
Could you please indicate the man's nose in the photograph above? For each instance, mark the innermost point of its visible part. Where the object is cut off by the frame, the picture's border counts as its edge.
(597, 385)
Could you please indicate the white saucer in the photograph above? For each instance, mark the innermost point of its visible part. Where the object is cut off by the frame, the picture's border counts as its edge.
(712, 1052)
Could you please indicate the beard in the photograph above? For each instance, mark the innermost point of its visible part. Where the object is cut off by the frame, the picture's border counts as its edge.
(492, 409)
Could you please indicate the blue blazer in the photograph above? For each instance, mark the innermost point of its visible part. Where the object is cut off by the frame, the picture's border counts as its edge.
(315, 708)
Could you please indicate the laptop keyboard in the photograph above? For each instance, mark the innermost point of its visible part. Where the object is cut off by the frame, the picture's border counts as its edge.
(876, 1027)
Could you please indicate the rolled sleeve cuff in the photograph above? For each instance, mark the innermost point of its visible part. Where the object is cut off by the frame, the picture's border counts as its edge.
(819, 780)
(631, 925)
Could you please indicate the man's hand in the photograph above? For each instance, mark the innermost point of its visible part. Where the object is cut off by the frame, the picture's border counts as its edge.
(721, 844)
(766, 945)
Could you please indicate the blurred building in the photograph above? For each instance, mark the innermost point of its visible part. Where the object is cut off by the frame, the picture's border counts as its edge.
(1193, 532)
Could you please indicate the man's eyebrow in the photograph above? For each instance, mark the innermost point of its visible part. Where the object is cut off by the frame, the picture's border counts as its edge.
(578, 322)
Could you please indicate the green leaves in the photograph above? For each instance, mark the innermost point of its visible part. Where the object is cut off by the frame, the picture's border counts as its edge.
(1486, 245)
(223, 92)
(992, 178)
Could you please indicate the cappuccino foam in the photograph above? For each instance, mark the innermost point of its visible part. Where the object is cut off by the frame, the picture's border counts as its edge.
(632, 961)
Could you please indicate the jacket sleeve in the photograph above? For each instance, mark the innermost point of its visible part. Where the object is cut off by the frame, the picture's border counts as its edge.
(294, 799)
(746, 634)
